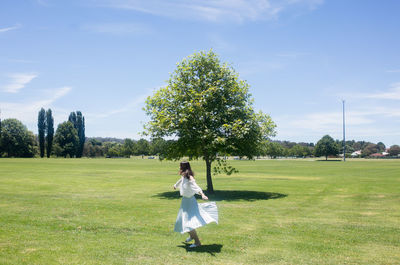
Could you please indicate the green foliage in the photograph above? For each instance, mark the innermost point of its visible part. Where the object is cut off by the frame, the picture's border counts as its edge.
(78, 121)
(223, 167)
(300, 151)
(142, 147)
(67, 139)
(394, 150)
(16, 140)
(1, 148)
(209, 110)
(128, 147)
(370, 149)
(116, 150)
(93, 148)
(326, 147)
(41, 130)
(274, 150)
(381, 147)
(157, 146)
(50, 131)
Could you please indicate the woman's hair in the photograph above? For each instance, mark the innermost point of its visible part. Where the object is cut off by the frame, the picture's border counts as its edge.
(185, 170)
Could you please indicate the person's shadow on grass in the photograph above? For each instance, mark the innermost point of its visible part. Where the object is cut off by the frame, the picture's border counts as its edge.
(228, 195)
(210, 249)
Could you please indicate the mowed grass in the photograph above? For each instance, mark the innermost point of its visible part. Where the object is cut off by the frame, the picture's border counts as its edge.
(122, 211)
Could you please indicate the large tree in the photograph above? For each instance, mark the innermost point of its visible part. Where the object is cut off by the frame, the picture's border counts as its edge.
(41, 130)
(326, 147)
(16, 140)
(66, 138)
(208, 109)
(50, 131)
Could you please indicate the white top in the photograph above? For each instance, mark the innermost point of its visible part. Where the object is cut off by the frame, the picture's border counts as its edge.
(187, 187)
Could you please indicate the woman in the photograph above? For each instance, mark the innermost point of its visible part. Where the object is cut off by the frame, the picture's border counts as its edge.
(192, 215)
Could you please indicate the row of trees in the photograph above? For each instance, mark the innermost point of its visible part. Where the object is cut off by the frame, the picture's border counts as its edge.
(276, 149)
(70, 136)
(17, 141)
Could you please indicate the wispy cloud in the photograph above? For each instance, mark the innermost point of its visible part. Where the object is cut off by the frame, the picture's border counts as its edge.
(212, 10)
(18, 81)
(393, 93)
(118, 28)
(17, 26)
(21, 61)
(393, 71)
(132, 105)
(360, 123)
(27, 111)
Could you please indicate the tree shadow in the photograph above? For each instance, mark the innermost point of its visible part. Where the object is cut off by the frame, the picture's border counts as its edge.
(329, 160)
(210, 249)
(228, 195)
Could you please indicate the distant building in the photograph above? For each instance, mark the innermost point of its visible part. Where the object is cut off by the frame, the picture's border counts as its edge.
(356, 153)
(377, 155)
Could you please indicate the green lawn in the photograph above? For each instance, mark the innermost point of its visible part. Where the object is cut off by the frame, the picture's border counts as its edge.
(122, 211)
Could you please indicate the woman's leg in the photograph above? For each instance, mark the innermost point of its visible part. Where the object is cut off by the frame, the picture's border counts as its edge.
(193, 235)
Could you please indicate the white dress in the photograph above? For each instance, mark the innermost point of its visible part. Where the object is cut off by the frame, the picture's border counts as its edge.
(192, 215)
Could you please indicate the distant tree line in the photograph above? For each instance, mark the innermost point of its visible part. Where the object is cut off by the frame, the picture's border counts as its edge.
(70, 141)
(326, 147)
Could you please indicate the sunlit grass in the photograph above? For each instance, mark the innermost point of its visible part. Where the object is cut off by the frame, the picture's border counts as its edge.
(122, 211)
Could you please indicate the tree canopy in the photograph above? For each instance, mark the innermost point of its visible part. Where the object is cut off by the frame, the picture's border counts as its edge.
(209, 111)
(50, 131)
(394, 150)
(16, 140)
(41, 130)
(326, 147)
(66, 138)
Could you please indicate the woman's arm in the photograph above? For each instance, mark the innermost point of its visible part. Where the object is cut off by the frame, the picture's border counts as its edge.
(177, 183)
(196, 188)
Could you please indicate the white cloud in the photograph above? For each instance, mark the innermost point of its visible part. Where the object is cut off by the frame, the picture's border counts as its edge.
(21, 61)
(212, 10)
(18, 81)
(10, 28)
(118, 28)
(27, 111)
(393, 93)
(360, 123)
(132, 105)
(323, 121)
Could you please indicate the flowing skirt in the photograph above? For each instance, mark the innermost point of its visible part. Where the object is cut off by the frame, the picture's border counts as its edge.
(192, 215)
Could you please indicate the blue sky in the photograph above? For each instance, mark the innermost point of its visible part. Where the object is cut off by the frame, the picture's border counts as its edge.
(300, 57)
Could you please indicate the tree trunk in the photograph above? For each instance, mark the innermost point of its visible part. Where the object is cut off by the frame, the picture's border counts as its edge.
(210, 188)
(326, 158)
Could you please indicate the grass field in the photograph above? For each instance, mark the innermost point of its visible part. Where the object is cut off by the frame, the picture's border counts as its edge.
(122, 211)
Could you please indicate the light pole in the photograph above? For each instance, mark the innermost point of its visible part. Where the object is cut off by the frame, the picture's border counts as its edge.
(344, 135)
